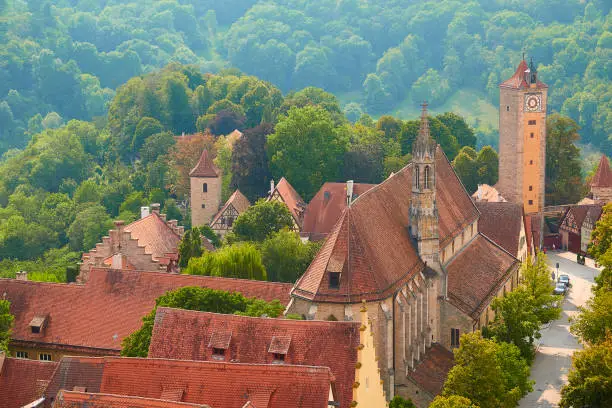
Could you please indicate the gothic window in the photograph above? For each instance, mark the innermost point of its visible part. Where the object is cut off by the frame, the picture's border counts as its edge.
(427, 177)
(205, 188)
(454, 337)
(416, 177)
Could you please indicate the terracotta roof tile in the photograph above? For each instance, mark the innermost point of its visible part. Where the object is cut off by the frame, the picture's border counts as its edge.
(327, 206)
(476, 273)
(204, 167)
(431, 372)
(184, 334)
(373, 269)
(594, 214)
(579, 212)
(22, 381)
(99, 314)
(72, 399)
(517, 81)
(218, 384)
(155, 235)
(501, 222)
(292, 199)
(236, 200)
(603, 174)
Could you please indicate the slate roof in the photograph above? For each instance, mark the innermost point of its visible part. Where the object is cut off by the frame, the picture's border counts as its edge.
(476, 274)
(22, 381)
(501, 222)
(603, 174)
(98, 315)
(184, 334)
(292, 199)
(155, 235)
(517, 81)
(430, 374)
(204, 167)
(73, 399)
(371, 245)
(236, 200)
(327, 205)
(218, 384)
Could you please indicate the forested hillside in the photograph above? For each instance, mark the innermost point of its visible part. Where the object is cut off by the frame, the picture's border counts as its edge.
(64, 59)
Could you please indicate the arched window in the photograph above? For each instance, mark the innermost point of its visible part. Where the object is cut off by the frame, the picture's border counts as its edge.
(416, 177)
(427, 183)
(205, 188)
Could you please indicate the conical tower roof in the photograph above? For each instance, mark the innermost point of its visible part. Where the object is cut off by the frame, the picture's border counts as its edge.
(205, 167)
(424, 145)
(603, 174)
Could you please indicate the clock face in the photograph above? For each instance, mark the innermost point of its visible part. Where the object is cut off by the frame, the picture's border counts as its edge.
(533, 102)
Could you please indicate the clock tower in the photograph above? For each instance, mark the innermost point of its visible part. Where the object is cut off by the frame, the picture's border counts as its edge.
(522, 138)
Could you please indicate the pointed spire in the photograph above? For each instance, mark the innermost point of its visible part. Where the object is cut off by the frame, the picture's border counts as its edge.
(205, 167)
(424, 128)
(424, 145)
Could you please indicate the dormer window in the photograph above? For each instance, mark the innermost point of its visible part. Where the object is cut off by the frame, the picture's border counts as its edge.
(334, 268)
(278, 358)
(38, 324)
(219, 343)
(218, 354)
(279, 347)
(334, 280)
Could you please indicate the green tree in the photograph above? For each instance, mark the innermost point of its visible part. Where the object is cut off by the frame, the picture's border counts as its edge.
(563, 163)
(459, 128)
(594, 322)
(601, 247)
(488, 166)
(452, 401)
(261, 220)
(285, 256)
(250, 172)
(466, 168)
(536, 280)
(88, 227)
(590, 379)
(306, 148)
(200, 299)
(399, 402)
(241, 260)
(6, 324)
(190, 246)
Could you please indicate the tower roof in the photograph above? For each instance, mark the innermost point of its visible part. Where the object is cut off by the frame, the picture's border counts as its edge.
(517, 81)
(424, 142)
(603, 174)
(205, 167)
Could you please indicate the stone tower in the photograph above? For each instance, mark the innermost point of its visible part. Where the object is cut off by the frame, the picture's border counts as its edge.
(423, 209)
(522, 138)
(205, 181)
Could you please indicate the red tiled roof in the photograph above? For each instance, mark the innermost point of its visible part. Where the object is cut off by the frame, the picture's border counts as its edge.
(603, 174)
(359, 244)
(236, 200)
(431, 372)
(476, 273)
(155, 235)
(110, 305)
(205, 167)
(487, 193)
(517, 81)
(579, 212)
(184, 334)
(594, 214)
(218, 384)
(291, 198)
(72, 399)
(501, 222)
(327, 205)
(22, 381)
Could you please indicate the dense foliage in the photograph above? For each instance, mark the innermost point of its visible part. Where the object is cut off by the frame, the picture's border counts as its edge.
(241, 260)
(203, 300)
(6, 324)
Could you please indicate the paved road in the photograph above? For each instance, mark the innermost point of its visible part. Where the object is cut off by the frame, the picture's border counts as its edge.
(553, 359)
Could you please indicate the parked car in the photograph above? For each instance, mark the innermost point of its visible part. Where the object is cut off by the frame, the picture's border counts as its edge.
(560, 289)
(564, 279)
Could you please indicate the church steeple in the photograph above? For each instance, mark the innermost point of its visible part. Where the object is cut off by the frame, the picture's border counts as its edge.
(423, 208)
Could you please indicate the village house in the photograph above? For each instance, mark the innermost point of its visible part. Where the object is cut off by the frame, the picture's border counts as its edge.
(150, 243)
(89, 382)
(223, 222)
(574, 235)
(588, 225)
(56, 319)
(286, 194)
(411, 249)
(347, 348)
(23, 381)
(505, 224)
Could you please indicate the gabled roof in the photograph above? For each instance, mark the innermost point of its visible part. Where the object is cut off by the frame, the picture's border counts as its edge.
(578, 212)
(359, 245)
(74, 399)
(236, 200)
(204, 167)
(22, 381)
(155, 235)
(594, 214)
(99, 314)
(291, 198)
(603, 174)
(184, 334)
(501, 222)
(218, 384)
(327, 205)
(476, 274)
(517, 81)
(430, 374)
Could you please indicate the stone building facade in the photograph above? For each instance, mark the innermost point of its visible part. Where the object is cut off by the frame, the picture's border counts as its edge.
(205, 190)
(522, 138)
(223, 222)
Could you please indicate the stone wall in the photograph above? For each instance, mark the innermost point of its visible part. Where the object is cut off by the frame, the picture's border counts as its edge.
(211, 199)
(602, 193)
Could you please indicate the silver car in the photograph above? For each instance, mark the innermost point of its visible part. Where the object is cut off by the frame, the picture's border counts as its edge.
(564, 279)
(560, 289)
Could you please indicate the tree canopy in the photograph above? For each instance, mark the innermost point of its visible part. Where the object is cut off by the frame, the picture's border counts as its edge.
(261, 220)
(6, 324)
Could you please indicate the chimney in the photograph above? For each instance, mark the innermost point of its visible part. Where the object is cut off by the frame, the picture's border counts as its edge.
(117, 261)
(21, 275)
(144, 212)
(155, 208)
(271, 186)
(349, 192)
